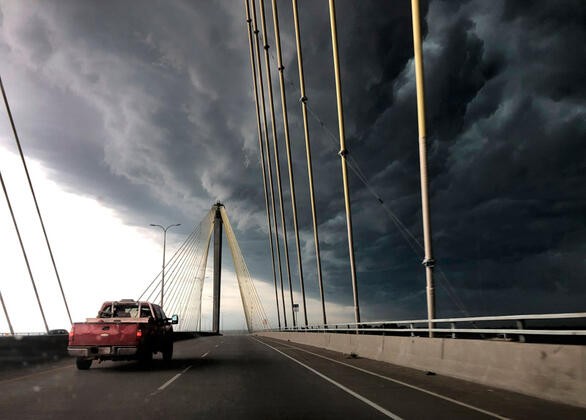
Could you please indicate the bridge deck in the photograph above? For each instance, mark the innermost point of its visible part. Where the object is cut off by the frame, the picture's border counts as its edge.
(244, 377)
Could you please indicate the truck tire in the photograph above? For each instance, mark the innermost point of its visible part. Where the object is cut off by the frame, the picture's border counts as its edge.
(168, 352)
(145, 357)
(83, 364)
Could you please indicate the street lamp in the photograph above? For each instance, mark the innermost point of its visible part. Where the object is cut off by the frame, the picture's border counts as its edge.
(164, 246)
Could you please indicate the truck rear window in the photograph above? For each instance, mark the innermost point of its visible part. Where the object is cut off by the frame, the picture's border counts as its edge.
(119, 310)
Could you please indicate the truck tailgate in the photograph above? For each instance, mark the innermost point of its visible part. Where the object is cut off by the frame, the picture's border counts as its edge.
(105, 334)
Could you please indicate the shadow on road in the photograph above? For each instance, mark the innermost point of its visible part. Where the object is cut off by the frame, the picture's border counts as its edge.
(178, 363)
(155, 365)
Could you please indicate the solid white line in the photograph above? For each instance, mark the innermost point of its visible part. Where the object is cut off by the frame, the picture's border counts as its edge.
(339, 385)
(205, 354)
(443, 397)
(170, 381)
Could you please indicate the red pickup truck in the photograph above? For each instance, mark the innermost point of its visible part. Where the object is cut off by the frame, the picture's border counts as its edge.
(123, 330)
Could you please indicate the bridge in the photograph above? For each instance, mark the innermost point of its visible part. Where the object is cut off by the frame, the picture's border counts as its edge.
(287, 363)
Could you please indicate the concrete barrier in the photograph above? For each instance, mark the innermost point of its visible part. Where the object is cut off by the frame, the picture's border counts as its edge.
(22, 351)
(549, 371)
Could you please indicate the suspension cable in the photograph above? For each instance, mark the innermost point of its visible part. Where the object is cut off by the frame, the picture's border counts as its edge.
(276, 152)
(16, 138)
(356, 169)
(281, 70)
(268, 154)
(176, 273)
(177, 295)
(309, 164)
(262, 154)
(187, 281)
(343, 153)
(28, 266)
(253, 309)
(6, 314)
(199, 279)
(175, 255)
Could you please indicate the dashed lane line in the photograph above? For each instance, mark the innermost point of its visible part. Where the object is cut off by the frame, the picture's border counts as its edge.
(174, 378)
(170, 381)
(339, 385)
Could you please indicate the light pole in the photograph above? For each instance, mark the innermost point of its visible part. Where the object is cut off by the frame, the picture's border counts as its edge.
(164, 246)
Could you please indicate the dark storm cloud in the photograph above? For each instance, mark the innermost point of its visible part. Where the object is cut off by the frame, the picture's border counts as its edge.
(166, 110)
(150, 109)
(564, 25)
(503, 156)
(505, 162)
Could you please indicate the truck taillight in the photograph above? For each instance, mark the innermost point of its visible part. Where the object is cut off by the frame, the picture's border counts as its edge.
(71, 333)
(139, 333)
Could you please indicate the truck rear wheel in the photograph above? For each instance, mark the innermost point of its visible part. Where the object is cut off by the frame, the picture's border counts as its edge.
(145, 357)
(168, 352)
(83, 364)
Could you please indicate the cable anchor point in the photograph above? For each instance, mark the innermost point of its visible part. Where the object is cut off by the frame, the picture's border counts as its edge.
(428, 262)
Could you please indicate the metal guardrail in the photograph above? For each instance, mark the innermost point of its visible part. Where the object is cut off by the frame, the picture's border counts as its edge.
(506, 327)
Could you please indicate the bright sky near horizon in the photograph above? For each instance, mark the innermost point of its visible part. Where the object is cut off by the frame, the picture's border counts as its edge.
(98, 257)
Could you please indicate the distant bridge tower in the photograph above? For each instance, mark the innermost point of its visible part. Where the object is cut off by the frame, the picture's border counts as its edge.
(187, 273)
(217, 267)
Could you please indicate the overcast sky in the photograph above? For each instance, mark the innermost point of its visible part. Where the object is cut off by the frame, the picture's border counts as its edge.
(133, 113)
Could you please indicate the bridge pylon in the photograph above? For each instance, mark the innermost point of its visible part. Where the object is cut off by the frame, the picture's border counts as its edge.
(217, 267)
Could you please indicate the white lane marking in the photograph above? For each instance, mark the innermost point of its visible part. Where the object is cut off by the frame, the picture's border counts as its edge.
(170, 381)
(443, 397)
(339, 385)
(205, 354)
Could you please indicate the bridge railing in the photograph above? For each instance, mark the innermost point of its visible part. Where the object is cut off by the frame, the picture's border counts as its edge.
(564, 327)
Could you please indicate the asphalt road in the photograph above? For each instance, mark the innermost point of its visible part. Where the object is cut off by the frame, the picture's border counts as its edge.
(243, 377)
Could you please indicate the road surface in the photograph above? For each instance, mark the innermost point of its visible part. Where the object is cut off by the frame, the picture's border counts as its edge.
(245, 377)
